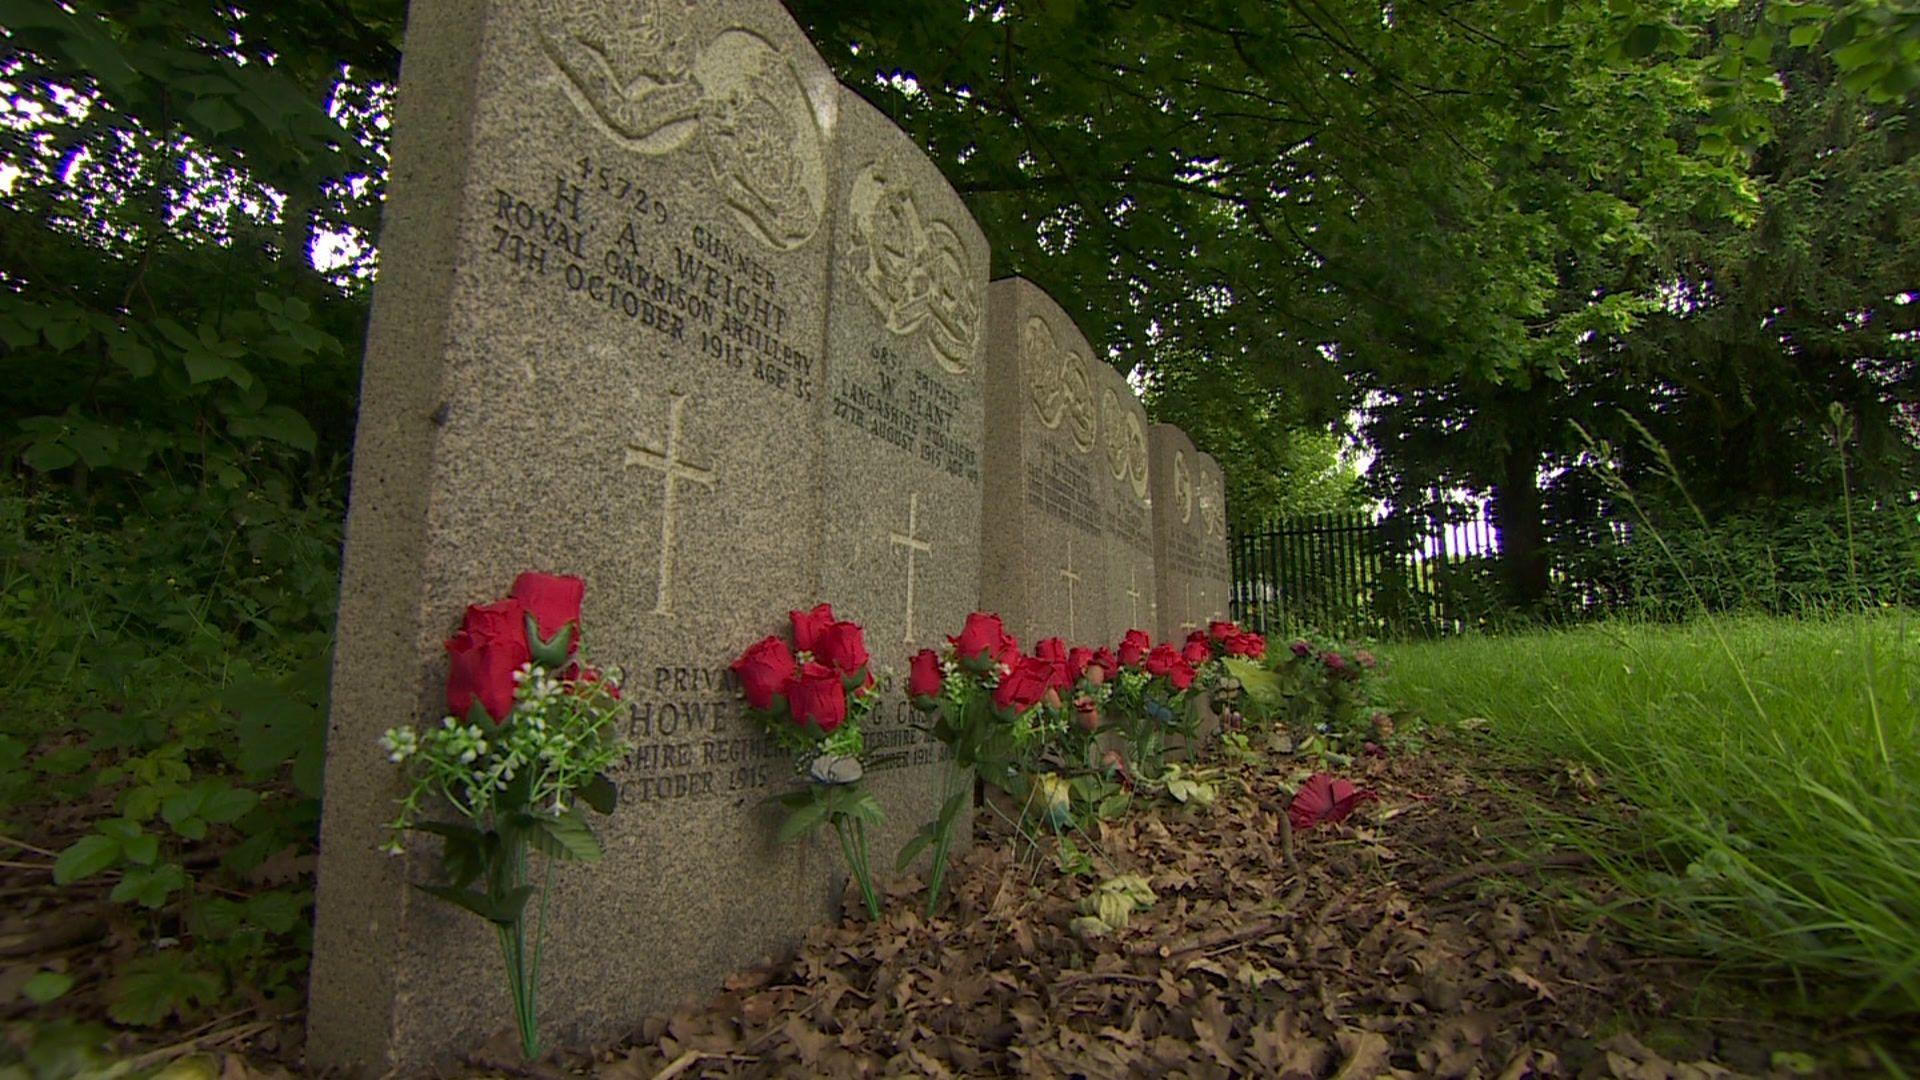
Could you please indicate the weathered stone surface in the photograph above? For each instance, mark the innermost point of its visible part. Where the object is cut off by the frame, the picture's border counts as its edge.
(596, 348)
(1132, 599)
(1045, 526)
(1214, 589)
(902, 430)
(1189, 533)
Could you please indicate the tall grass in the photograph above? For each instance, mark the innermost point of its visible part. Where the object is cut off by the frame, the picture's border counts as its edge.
(1769, 766)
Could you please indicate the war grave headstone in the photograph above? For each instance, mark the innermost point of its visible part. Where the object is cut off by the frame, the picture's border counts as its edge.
(1213, 588)
(906, 344)
(1132, 599)
(1044, 528)
(1190, 533)
(596, 348)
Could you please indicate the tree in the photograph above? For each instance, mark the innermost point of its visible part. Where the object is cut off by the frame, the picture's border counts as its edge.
(1446, 215)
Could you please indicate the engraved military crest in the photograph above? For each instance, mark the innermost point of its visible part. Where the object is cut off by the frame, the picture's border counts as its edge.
(914, 271)
(635, 72)
(1213, 509)
(1125, 441)
(1060, 385)
(1182, 487)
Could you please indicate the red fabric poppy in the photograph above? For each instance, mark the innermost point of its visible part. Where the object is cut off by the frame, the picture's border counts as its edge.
(1325, 798)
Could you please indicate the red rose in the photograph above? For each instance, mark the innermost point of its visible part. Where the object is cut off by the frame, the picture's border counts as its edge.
(1249, 644)
(842, 646)
(1222, 631)
(1197, 652)
(818, 699)
(1334, 661)
(1104, 659)
(1161, 660)
(586, 675)
(1134, 646)
(1300, 648)
(554, 602)
(924, 676)
(807, 626)
(1079, 658)
(984, 635)
(1054, 652)
(483, 656)
(1022, 688)
(763, 671)
(1180, 675)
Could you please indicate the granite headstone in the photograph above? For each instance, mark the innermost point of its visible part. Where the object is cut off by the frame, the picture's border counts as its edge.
(1132, 598)
(902, 431)
(596, 348)
(1044, 527)
(1189, 533)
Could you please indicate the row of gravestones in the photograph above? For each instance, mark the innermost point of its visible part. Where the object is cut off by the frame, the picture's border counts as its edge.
(663, 305)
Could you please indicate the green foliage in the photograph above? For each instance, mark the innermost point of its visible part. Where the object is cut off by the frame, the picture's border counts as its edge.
(1789, 558)
(1764, 771)
(180, 395)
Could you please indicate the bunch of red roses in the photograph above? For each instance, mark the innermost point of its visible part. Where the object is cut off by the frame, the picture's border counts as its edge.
(812, 697)
(532, 732)
(816, 683)
(537, 623)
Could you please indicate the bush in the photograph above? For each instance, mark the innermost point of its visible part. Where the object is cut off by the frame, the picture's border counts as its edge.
(166, 674)
(1787, 558)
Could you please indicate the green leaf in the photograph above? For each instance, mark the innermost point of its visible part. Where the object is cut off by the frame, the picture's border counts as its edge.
(1642, 40)
(278, 423)
(503, 912)
(215, 114)
(48, 456)
(226, 804)
(462, 851)
(912, 848)
(183, 805)
(44, 987)
(802, 821)
(277, 912)
(86, 857)
(153, 988)
(600, 794)
(149, 888)
(217, 917)
(565, 837)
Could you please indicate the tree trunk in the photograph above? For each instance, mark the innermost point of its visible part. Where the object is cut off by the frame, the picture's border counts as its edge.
(1522, 534)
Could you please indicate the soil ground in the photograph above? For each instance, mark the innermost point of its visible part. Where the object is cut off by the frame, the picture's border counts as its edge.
(1417, 938)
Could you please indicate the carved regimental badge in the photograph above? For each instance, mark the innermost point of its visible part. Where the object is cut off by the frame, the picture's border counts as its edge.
(635, 73)
(914, 271)
(1125, 439)
(1213, 509)
(1058, 381)
(1182, 487)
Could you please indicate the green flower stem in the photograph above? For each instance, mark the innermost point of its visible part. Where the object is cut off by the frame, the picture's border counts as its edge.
(853, 847)
(942, 837)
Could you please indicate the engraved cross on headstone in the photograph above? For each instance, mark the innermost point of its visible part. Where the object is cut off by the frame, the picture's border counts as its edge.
(915, 546)
(1189, 624)
(1133, 596)
(1072, 580)
(668, 463)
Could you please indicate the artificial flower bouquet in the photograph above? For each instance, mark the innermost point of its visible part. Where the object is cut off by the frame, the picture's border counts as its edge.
(812, 698)
(1150, 697)
(957, 691)
(531, 730)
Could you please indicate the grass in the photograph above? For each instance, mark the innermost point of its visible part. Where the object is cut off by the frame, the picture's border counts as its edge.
(1767, 767)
